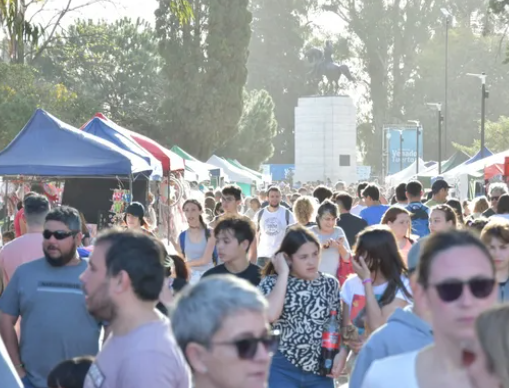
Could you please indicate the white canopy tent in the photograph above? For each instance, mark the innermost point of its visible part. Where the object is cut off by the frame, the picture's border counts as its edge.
(404, 175)
(235, 174)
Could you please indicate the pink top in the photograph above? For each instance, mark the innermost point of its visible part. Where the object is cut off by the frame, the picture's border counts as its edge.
(148, 357)
(17, 218)
(20, 251)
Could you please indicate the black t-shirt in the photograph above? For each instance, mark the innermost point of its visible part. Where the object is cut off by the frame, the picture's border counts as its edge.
(488, 213)
(251, 273)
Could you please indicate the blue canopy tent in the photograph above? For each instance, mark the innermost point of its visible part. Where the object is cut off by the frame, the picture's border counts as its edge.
(477, 156)
(48, 147)
(117, 135)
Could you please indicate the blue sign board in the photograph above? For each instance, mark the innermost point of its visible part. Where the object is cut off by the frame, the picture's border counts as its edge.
(280, 172)
(408, 149)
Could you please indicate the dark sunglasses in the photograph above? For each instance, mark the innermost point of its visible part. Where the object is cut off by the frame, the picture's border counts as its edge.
(451, 290)
(494, 198)
(247, 348)
(59, 234)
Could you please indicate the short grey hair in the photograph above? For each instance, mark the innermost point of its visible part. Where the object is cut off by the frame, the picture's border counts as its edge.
(199, 310)
(67, 215)
(498, 187)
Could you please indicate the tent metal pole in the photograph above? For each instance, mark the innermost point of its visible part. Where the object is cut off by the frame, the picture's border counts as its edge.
(131, 187)
(169, 208)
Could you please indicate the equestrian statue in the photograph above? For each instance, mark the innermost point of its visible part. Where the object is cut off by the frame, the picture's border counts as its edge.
(323, 65)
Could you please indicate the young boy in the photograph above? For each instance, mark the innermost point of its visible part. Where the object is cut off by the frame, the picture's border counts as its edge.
(234, 235)
(231, 199)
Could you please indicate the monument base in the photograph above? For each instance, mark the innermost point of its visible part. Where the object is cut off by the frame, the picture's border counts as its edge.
(325, 139)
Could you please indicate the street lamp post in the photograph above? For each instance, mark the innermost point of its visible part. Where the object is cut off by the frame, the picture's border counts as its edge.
(418, 130)
(484, 95)
(448, 21)
(438, 107)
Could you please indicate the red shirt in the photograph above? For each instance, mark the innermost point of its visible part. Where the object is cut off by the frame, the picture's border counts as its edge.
(17, 227)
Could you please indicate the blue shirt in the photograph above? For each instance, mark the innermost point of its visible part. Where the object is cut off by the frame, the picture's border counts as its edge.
(373, 214)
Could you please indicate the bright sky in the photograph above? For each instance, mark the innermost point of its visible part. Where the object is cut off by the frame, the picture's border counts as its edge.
(114, 9)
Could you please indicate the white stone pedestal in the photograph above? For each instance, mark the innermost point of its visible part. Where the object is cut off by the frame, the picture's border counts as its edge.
(325, 139)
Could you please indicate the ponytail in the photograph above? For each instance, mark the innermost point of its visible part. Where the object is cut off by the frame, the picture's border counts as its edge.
(202, 223)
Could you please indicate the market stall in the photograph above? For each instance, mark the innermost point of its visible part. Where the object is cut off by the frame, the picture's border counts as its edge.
(243, 179)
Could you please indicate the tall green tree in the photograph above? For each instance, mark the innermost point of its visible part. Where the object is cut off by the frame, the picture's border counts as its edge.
(205, 71)
(257, 129)
(275, 63)
(22, 90)
(115, 64)
(387, 38)
(497, 137)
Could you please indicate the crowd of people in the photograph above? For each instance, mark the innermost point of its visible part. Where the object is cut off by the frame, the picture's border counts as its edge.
(416, 280)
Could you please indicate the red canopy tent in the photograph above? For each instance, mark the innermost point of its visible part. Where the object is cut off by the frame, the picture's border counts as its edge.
(493, 170)
(169, 160)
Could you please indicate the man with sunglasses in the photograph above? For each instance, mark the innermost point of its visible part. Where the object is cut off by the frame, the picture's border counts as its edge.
(456, 283)
(496, 191)
(122, 284)
(47, 295)
(221, 326)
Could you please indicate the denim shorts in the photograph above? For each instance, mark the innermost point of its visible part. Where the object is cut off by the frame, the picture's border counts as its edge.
(283, 374)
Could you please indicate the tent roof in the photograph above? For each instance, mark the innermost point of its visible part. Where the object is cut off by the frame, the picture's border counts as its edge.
(404, 174)
(458, 158)
(476, 166)
(48, 147)
(477, 156)
(108, 130)
(236, 163)
(235, 174)
(183, 154)
(168, 159)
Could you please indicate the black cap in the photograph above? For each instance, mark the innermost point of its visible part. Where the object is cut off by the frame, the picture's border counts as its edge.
(439, 185)
(136, 209)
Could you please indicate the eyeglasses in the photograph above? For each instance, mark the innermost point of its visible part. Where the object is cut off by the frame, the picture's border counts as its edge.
(494, 198)
(247, 348)
(451, 290)
(227, 199)
(59, 234)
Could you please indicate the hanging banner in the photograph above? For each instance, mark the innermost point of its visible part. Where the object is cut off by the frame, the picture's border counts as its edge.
(401, 145)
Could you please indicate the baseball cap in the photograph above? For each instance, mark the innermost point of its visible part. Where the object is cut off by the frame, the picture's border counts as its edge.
(439, 185)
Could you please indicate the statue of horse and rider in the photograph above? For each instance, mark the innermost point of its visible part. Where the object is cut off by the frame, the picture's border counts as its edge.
(323, 65)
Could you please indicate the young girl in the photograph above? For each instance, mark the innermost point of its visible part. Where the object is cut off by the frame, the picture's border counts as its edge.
(335, 246)
(379, 287)
(495, 236)
(400, 222)
(197, 243)
(301, 299)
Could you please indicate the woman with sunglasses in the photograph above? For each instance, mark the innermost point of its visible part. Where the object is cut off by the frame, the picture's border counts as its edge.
(222, 328)
(455, 283)
(487, 363)
(335, 246)
(301, 299)
(495, 236)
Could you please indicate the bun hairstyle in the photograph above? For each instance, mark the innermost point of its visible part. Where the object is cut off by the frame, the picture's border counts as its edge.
(200, 208)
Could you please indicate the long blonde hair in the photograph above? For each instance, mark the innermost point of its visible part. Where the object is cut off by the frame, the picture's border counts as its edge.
(491, 327)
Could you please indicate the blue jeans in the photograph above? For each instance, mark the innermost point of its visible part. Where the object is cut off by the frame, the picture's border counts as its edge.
(26, 382)
(283, 374)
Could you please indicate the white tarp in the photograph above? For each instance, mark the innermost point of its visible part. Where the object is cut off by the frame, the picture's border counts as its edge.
(234, 173)
(404, 175)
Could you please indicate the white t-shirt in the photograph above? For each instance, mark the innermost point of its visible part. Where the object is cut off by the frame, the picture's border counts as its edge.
(500, 217)
(330, 256)
(393, 372)
(356, 210)
(272, 228)
(352, 293)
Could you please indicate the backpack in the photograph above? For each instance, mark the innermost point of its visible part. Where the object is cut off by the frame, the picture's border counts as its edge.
(420, 219)
(182, 242)
(287, 217)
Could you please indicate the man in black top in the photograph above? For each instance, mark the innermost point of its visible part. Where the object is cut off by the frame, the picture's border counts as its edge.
(350, 223)
(234, 235)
